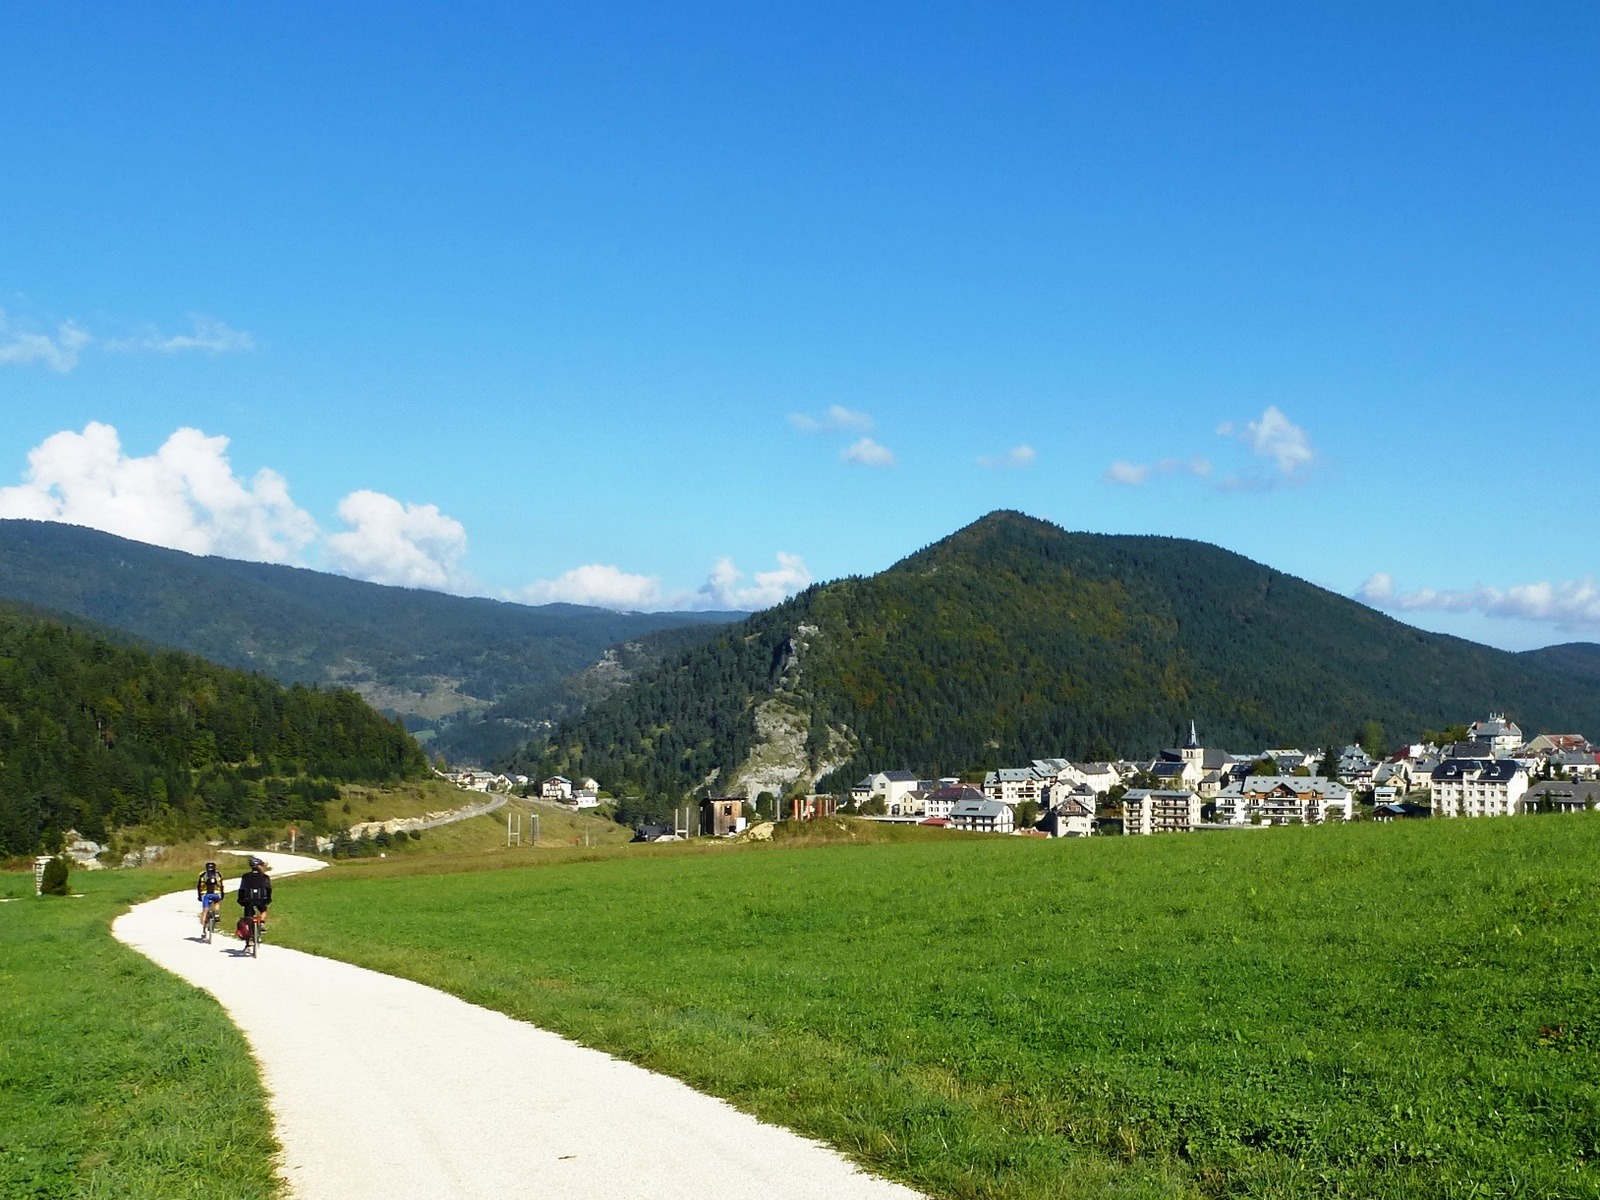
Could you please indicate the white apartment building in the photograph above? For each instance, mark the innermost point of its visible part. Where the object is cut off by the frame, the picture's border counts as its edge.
(1478, 787)
(1151, 810)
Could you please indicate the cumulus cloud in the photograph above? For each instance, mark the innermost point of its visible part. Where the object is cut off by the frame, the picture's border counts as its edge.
(207, 334)
(725, 588)
(1017, 456)
(838, 419)
(58, 351)
(597, 584)
(1573, 604)
(408, 545)
(185, 496)
(867, 453)
(1284, 446)
(1126, 473)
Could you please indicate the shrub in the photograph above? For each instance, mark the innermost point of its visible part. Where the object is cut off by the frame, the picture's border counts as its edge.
(55, 877)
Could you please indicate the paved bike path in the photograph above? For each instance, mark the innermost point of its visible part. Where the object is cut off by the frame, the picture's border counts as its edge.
(382, 1089)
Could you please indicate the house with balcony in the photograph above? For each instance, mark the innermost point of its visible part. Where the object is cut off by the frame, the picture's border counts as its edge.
(982, 816)
(1160, 810)
(1016, 785)
(1284, 800)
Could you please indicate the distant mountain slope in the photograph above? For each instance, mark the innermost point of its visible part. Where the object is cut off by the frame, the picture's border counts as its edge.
(1015, 639)
(97, 733)
(430, 657)
(1580, 660)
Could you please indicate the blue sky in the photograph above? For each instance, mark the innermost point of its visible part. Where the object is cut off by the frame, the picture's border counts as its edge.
(659, 305)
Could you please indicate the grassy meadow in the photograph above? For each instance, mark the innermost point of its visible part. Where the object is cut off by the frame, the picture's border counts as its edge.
(1402, 1011)
(116, 1079)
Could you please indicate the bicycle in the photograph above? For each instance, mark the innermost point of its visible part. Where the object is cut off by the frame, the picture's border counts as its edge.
(213, 919)
(253, 946)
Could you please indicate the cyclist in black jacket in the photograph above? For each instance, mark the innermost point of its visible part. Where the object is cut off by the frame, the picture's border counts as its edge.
(255, 890)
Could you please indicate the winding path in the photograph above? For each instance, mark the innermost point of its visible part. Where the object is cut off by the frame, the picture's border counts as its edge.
(382, 1089)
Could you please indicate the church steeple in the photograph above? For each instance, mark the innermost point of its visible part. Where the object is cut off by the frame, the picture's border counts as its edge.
(1193, 756)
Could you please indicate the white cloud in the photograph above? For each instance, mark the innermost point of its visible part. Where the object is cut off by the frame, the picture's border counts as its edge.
(838, 419)
(185, 496)
(1282, 445)
(1131, 474)
(1126, 473)
(597, 584)
(1572, 604)
(408, 545)
(867, 453)
(1278, 440)
(207, 334)
(725, 587)
(1017, 456)
(58, 352)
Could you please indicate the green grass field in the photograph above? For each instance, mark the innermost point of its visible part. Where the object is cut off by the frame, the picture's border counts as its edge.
(116, 1079)
(1402, 1011)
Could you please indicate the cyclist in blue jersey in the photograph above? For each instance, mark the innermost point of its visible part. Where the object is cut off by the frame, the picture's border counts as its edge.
(209, 890)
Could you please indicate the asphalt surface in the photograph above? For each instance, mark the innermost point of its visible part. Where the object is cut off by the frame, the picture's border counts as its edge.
(382, 1089)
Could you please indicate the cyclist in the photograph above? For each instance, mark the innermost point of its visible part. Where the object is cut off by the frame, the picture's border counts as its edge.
(254, 892)
(209, 890)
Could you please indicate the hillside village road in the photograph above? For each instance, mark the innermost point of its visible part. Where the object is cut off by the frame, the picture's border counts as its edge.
(382, 1089)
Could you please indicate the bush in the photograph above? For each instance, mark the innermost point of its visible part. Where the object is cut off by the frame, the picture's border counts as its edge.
(55, 877)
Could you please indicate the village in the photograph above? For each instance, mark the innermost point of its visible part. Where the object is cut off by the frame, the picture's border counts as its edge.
(1493, 771)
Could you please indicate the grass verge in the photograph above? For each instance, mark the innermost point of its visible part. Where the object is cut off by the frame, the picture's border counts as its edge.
(116, 1079)
(1400, 1011)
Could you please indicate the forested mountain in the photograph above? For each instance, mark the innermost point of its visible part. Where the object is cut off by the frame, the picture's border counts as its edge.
(1014, 639)
(95, 734)
(1581, 660)
(478, 672)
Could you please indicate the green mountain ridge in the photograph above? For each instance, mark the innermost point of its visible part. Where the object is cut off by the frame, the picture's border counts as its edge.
(477, 674)
(1014, 639)
(97, 733)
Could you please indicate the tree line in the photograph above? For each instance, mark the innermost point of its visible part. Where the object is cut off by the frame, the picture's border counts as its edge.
(95, 735)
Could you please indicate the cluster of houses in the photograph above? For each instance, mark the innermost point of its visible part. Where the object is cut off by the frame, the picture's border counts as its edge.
(585, 793)
(474, 779)
(1493, 772)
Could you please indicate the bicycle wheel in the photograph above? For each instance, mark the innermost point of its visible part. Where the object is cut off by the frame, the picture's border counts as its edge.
(205, 929)
(255, 938)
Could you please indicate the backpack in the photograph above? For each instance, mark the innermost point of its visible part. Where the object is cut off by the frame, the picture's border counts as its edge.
(251, 891)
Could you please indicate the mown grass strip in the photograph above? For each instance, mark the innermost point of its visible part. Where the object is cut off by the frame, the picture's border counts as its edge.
(117, 1079)
(1362, 1011)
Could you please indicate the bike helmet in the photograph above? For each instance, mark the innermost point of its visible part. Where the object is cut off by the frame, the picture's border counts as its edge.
(256, 863)
(211, 866)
